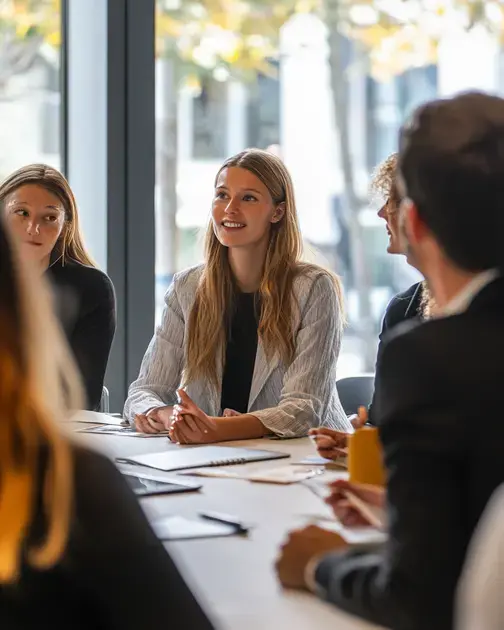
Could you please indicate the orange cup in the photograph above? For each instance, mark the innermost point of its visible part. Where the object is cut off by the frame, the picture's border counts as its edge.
(365, 457)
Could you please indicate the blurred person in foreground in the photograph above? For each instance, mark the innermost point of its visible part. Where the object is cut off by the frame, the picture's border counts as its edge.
(414, 303)
(74, 542)
(441, 467)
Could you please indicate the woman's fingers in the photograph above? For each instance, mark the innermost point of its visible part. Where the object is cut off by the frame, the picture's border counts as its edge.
(324, 431)
(176, 434)
(155, 424)
(228, 413)
(185, 434)
(325, 442)
(335, 440)
(190, 421)
(188, 406)
(345, 512)
(374, 495)
(330, 449)
(142, 424)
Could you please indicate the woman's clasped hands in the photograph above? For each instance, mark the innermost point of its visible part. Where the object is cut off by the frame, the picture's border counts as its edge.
(189, 424)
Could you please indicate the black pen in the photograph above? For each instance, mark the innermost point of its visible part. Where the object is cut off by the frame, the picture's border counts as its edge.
(225, 519)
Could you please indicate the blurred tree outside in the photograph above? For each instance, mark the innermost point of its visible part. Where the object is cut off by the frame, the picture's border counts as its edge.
(390, 36)
(30, 34)
(238, 39)
(26, 26)
(199, 40)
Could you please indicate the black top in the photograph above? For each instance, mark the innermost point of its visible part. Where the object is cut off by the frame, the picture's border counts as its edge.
(240, 354)
(439, 401)
(402, 307)
(85, 303)
(115, 573)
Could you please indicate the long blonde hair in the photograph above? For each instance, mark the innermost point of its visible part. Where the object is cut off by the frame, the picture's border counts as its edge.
(38, 384)
(70, 245)
(216, 292)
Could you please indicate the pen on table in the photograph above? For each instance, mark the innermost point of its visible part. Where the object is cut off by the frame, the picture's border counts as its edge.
(225, 519)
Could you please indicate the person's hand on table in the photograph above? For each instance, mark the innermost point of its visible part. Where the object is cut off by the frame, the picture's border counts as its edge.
(188, 423)
(342, 507)
(154, 420)
(302, 548)
(332, 444)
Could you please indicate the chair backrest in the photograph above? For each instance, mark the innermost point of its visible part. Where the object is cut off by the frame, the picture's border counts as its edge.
(479, 601)
(105, 401)
(355, 392)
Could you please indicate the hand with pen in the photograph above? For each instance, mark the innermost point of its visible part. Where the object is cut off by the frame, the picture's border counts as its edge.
(350, 503)
(332, 444)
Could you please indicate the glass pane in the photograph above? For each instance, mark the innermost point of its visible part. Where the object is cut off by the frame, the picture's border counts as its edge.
(277, 74)
(30, 38)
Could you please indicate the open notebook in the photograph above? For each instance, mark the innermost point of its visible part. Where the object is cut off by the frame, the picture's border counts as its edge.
(201, 457)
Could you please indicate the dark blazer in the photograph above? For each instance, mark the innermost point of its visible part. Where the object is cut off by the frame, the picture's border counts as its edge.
(441, 424)
(115, 573)
(85, 303)
(403, 306)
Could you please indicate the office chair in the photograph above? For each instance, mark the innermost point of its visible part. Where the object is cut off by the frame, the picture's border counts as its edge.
(355, 392)
(105, 401)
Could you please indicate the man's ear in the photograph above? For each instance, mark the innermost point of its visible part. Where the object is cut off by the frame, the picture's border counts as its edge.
(412, 224)
(279, 213)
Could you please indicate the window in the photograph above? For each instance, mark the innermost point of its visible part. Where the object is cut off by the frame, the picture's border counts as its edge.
(209, 121)
(231, 78)
(30, 35)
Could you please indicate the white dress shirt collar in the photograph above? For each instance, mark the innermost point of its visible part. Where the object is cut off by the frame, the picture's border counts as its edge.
(463, 299)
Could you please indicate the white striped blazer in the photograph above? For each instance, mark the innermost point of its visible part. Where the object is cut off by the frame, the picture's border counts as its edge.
(287, 399)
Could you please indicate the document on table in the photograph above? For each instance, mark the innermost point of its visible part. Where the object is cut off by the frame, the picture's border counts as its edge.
(120, 430)
(91, 417)
(283, 475)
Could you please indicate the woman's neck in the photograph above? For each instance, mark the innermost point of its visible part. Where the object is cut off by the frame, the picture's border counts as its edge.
(44, 265)
(247, 266)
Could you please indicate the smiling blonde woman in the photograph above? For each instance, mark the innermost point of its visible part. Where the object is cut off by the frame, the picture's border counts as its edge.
(252, 335)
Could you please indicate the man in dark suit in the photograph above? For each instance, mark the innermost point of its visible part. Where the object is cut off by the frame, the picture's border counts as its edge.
(440, 394)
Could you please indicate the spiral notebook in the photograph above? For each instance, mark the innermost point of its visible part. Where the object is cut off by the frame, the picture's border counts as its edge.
(201, 457)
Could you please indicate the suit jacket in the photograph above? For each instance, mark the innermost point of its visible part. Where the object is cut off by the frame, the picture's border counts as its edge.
(111, 555)
(287, 399)
(441, 426)
(402, 307)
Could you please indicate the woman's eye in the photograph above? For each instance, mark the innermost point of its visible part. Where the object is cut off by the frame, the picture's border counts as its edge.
(220, 195)
(51, 218)
(21, 212)
(249, 198)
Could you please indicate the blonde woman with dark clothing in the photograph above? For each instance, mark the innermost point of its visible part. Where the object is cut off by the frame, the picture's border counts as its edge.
(249, 340)
(41, 212)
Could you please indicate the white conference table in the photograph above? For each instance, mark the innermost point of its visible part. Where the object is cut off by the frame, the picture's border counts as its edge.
(234, 577)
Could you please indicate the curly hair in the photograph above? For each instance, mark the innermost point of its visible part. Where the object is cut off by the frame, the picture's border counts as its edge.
(383, 182)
